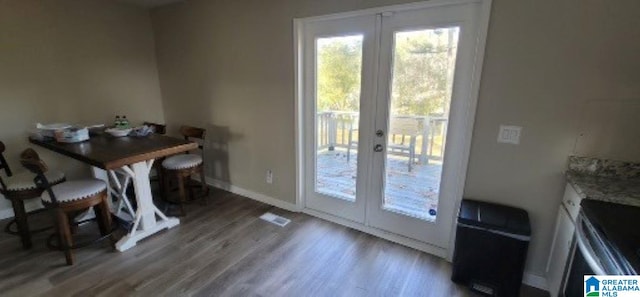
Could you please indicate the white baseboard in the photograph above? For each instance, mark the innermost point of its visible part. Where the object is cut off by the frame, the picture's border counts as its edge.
(251, 194)
(529, 279)
(536, 281)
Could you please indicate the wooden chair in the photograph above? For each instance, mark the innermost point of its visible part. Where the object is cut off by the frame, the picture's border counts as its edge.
(351, 142)
(157, 128)
(69, 199)
(403, 134)
(183, 166)
(19, 188)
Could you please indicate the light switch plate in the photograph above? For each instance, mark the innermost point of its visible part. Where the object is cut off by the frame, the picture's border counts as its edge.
(509, 134)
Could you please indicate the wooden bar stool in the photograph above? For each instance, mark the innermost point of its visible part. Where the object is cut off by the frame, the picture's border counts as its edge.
(19, 188)
(183, 167)
(69, 199)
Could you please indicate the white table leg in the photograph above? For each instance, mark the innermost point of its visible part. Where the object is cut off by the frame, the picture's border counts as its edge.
(121, 180)
(116, 187)
(148, 218)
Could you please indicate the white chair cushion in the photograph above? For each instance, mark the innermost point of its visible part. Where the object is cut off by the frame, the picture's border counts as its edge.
(182, 161)
(24, 180)
(75, 190)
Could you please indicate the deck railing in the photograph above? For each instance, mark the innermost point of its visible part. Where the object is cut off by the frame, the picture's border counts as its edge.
(334, 127)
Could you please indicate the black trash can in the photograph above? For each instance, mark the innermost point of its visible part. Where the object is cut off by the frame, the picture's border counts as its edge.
(491, 248)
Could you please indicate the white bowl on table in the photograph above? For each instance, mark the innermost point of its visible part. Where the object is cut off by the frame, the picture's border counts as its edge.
(118, 132)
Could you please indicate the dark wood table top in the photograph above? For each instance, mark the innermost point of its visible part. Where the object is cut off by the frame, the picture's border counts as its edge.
(107, 152)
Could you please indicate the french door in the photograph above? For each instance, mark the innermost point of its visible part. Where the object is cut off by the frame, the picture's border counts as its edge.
(387, 112)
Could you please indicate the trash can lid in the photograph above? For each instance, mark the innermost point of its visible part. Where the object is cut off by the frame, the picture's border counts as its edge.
(495, 217)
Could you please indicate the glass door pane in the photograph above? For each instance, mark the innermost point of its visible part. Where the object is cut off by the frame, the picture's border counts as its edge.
(338, 72)
(421, 85)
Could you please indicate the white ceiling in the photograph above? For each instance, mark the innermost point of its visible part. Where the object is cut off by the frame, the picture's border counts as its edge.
(150, 3)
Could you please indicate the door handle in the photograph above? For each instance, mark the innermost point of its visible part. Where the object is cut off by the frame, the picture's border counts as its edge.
(379, 133)
(377, 148)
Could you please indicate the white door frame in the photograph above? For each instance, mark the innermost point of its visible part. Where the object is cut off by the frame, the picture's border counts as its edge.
(471, 104)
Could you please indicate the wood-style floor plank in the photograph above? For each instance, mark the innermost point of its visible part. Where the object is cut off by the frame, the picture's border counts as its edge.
(224, 249)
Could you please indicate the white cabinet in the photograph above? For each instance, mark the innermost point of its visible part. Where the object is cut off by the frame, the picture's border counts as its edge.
(562, 240)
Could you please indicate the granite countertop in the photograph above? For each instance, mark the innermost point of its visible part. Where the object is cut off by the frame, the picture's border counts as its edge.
(609, 189)
(605, 180)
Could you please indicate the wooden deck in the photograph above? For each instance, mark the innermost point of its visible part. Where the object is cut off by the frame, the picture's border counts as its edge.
(412, 193)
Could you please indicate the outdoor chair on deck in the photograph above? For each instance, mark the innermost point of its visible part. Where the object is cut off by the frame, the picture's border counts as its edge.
(403, 134)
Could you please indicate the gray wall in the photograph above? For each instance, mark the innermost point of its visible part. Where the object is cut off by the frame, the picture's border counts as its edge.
(545, 61)
(550, 66)
(229, 64)
(73, 61)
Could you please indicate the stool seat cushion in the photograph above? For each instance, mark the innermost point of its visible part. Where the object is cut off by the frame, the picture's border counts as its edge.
(24, 181)
(75, 190)
(184, 161)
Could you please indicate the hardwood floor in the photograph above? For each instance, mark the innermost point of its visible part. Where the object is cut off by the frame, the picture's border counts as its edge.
(224, 249)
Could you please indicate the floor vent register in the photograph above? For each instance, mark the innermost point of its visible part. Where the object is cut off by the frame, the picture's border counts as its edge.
(274, 219)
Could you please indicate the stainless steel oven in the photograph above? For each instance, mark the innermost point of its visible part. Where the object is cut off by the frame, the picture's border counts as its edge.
(594, 253)
(583, 261)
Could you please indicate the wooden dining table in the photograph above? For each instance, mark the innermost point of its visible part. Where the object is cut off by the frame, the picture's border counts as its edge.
(132, 157)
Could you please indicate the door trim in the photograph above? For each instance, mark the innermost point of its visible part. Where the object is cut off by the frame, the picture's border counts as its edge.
(470, 111)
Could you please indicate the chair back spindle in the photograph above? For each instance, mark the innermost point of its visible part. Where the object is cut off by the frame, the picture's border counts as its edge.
(4, 166)
(3, 162)
(32, 162)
